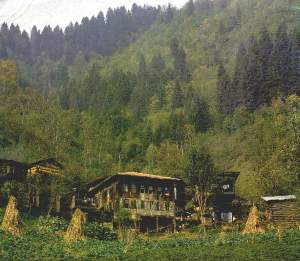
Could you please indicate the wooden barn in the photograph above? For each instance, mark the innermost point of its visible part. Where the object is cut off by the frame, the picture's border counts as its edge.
(283, 211)
(151, 200)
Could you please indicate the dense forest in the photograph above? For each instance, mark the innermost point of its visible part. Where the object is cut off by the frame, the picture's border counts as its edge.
(137, 89)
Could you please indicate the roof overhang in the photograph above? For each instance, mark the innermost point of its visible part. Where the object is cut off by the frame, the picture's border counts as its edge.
(279, 198)
(135, 175)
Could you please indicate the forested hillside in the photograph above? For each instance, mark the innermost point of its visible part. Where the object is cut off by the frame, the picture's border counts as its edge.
(135, 91)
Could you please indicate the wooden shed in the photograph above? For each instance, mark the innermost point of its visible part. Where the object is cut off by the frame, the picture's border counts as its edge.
(283, 211)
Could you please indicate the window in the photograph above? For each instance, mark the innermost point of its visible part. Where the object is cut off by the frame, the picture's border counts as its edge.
(226, 187)
(126, 203)
(166, 192)
(150, 190)
(167, 206)
(133, 188)
(133, 204)
(142, 204)
(159, 192)
(143, 190)
(125, 187)
(151, 205)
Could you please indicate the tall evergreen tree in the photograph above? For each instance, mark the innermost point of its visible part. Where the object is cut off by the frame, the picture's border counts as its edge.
(168, 16)
(294, 67)
(251, 86)
(190, 7)
(224, 91)
(239, 77)
(179, 60)
(177, 96)
(198, 113)
(279, 62)
(265, 48)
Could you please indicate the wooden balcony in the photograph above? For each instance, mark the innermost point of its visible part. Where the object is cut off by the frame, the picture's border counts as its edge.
(150, 208)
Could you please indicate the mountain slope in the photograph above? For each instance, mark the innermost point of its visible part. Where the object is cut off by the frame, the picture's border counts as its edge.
(199, 35)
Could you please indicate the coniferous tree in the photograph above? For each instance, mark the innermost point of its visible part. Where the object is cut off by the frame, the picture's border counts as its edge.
(190, 7)
(239, 77)
(142, 71)
(179, 61)
(224, 91)
(168, 16)
(279, 62)
(251, 87)
(157, 64)
(294, 67)
(198, 113)
(265, 48)
(177, 96)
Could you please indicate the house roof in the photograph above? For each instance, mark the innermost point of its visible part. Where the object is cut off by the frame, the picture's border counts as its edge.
(233, 174)
(17, 171)
(279, 198)
(145, 175)
(13, 163)
(94, 185)
(50, 161)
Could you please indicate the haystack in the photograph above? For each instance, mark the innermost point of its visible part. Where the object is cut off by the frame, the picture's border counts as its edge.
(75, 231)
(253, 223)
(11, 223)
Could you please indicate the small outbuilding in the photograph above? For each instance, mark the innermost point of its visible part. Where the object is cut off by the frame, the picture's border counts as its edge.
(225, 209)
(283, 210)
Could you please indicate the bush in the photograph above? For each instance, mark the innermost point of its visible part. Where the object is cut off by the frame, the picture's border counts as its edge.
(51, 224)
(97, 231)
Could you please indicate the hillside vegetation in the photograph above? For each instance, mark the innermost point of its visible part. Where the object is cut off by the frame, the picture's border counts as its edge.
(43, 239)
(220, 75)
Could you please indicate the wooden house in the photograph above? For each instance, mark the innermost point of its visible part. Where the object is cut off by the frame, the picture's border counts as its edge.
(45, 167)
(225, 209)
(12, 170)
(35, 178)
(283, 210)
(151, 200)
(41, 176)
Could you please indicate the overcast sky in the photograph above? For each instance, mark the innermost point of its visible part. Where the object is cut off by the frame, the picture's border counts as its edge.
(27, 13)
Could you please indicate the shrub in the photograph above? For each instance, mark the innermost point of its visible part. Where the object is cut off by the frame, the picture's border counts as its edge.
(51, 224)
(97, 231)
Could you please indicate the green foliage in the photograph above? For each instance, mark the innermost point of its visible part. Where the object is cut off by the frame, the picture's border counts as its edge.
(49, 224)
(97, 231)
(156, 92)
(40, 242)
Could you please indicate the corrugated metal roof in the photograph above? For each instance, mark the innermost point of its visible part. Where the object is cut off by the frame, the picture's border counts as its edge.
(279, 198)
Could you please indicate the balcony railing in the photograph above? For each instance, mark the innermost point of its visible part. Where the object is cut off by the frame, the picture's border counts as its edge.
(148, 207)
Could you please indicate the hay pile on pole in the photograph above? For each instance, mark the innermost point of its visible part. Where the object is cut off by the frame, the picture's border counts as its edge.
(11, 223)
(75, 231)
(253, 223)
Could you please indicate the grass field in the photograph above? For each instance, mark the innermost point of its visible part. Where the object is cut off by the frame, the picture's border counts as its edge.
(42, 240)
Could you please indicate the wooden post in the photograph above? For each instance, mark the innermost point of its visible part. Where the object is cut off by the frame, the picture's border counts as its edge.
(57, 204)
(174, 224)
(37, 198)
(157, 225)
(73, 202)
